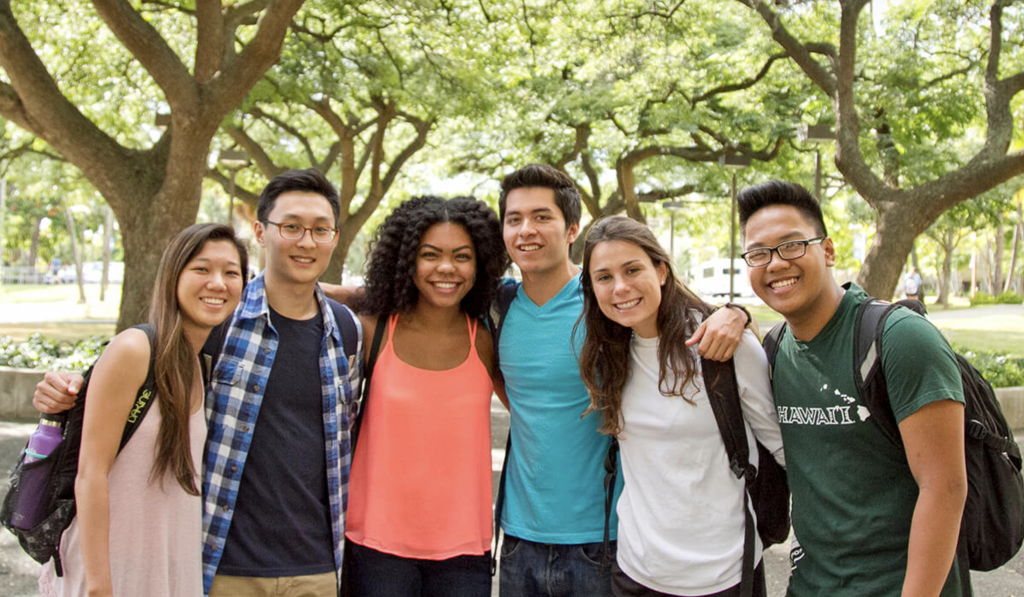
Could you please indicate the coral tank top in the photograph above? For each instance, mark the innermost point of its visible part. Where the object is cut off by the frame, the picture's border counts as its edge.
(420, 485)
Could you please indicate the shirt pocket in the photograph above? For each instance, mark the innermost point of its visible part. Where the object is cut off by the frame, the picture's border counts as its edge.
(229, 372)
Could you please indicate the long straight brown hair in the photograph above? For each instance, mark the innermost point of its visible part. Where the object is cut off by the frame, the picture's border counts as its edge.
(604, 357)
(175, 360)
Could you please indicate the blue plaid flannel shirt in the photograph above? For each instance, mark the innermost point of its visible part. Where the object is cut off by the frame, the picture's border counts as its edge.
(233, 402)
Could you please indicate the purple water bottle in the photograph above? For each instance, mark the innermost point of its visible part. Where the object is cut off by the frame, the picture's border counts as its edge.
(28, 509)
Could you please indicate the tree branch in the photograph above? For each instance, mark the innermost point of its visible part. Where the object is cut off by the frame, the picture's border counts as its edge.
(242, 71)
(263, 161)
(294, 132)
(745, 84)
(150, 49)
(248, 197)
(800, 53)
(661, 194)
(33, 101)
(210, 46)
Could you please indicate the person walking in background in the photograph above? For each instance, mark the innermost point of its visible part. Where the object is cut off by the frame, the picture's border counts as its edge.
(912, 285)
(420, 518)
(681, 512)
(137, 529)
(871, 517)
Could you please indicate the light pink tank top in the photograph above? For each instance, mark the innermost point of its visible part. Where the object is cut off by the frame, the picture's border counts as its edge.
(155, 542)
(421, 477)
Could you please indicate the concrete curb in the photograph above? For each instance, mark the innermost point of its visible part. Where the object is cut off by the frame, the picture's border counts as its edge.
(18, 385)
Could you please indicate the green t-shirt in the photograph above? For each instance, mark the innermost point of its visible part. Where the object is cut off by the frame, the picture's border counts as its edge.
(853, 492)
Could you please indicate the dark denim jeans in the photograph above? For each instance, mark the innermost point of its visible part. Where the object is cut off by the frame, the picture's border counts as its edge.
(378, 574)
(531, 569)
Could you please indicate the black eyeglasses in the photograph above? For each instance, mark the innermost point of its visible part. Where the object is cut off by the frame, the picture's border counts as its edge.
(791, 249)
(320, 234)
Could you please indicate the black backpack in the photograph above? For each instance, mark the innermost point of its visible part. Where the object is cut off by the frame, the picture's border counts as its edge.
(60, 468)
(992, 528)
(767, 487)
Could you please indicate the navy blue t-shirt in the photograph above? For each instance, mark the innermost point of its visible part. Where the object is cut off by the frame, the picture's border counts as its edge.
(282, 520)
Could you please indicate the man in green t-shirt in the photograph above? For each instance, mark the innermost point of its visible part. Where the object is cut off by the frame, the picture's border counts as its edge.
(870, 518)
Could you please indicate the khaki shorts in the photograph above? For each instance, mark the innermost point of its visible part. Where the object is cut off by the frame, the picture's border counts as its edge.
(313, 585)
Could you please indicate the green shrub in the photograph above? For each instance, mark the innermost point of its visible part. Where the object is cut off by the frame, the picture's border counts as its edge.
(1000, 369)
(45, 353)
(1003, 298)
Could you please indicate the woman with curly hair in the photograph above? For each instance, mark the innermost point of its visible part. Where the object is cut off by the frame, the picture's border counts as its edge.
(681, 518)
(419, 510)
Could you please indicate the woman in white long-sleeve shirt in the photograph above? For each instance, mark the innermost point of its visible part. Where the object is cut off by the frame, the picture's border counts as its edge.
(681, 519)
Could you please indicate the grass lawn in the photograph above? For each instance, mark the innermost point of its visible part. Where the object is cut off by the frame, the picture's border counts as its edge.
(999, 333)
(63, 331)
(52, 293)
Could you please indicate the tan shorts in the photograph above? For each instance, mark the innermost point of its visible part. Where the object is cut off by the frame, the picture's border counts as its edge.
(313, 585)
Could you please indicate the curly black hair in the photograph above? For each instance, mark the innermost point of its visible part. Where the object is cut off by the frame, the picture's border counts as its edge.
(391, 268)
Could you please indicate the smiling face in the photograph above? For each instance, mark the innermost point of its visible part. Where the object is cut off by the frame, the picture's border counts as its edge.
(296, 261)
(536, 236)
(210, 286)
(627, 285)
(794, 288)
(445, 265)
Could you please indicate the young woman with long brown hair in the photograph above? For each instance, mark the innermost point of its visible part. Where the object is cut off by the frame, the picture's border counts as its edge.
(137, 531)
(681, 519)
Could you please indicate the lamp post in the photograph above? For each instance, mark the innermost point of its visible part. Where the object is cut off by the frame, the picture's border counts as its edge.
(235, 160)
(734, 163)
(672, 206)
(816, 133)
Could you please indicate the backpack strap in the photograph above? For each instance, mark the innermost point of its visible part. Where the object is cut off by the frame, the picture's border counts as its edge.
(867, 365)
(495, 318)
(724, 397)
(771, 343)
(212, 348)
(144, 399)
(611, 471)
(364, 392)
(348, 328)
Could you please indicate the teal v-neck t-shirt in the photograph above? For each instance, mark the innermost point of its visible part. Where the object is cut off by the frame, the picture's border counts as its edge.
(554, 487)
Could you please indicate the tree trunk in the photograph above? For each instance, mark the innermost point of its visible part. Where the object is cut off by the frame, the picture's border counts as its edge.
(947, 268)
(108, 235)
(3, 213)
(895, 232)
(997, 259)
(33, 248)
(69, 220)
(1018, 237)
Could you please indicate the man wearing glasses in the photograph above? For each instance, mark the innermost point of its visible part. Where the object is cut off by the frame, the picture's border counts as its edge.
(871, 518)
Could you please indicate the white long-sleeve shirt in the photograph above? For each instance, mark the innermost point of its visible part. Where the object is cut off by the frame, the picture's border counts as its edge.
(681, 521)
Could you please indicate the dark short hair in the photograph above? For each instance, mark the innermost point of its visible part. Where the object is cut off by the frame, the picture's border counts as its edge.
(391, 267)
(567, 196)
(310, 180)
(779, 192)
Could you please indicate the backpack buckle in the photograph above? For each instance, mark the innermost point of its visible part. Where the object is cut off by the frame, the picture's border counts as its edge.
(739, 469)
(976, 430)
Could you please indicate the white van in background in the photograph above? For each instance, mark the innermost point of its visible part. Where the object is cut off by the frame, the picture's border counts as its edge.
(713, 278)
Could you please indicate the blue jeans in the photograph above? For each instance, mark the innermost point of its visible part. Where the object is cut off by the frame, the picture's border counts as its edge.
(531, 569)
(378, 574)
